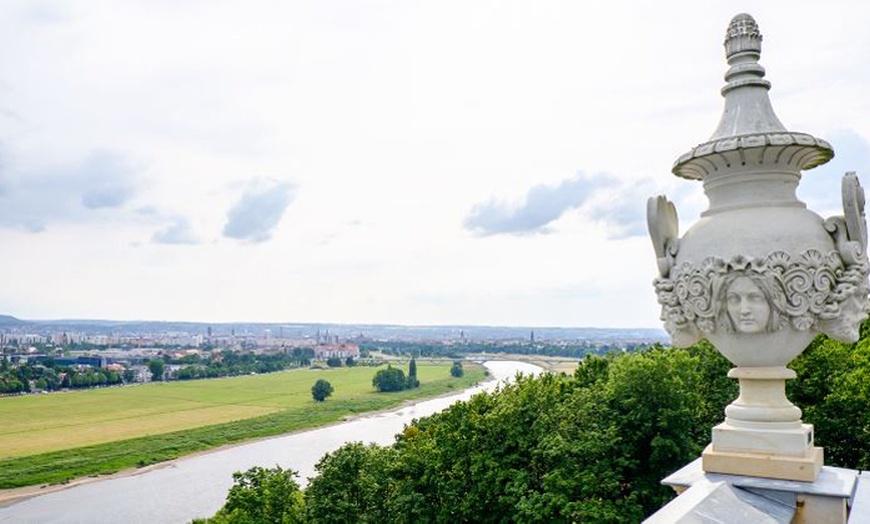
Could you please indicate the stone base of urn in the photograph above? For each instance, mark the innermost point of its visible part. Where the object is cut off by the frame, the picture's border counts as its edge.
(762, 435)
(805, 468)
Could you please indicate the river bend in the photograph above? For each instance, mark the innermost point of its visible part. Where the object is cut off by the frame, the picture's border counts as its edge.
(196, 486)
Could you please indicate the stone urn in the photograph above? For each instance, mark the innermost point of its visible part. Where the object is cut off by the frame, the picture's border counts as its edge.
(759, 275)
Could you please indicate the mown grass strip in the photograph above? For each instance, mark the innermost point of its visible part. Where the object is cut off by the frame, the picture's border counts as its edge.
(63, 466)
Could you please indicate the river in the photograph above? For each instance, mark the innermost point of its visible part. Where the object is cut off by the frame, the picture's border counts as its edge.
(197, 486)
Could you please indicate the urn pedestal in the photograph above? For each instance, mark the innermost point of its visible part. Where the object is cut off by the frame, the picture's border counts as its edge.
(763, 434)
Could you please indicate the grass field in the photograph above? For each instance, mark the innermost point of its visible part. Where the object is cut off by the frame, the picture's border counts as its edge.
(57, 437)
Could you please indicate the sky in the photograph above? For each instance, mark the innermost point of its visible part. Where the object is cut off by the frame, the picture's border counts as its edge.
(398, 162)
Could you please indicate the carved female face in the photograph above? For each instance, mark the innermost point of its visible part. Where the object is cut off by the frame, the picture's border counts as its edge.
(747, 306)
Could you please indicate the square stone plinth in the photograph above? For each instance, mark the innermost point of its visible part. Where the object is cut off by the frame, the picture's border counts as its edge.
(793, 442)
(803, 468)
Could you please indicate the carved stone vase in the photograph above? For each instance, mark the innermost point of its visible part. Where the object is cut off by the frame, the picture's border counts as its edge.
(759, 275)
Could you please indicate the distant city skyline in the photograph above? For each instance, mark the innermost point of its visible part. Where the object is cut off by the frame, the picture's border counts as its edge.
(408, 163)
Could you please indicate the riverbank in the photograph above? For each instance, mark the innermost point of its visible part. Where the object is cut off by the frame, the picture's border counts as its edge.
(102, 460)
(11, 496)
(196, 486)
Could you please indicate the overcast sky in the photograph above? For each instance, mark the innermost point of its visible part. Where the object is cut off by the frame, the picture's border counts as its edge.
(380, 161)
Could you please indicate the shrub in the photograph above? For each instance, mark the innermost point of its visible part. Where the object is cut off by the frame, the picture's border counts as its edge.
(321, 389)
(390, 379)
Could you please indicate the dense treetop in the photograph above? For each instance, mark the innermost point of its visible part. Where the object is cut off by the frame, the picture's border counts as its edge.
(590, 447)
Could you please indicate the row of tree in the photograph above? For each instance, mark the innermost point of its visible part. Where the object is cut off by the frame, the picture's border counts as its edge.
(26, 378)
(591, 447)
(394, 379)
(576, 350)
(385, 380)
(48, 375)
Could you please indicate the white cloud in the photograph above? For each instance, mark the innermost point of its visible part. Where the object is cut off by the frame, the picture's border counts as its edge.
(76, 192)
(541, 206)
(178, 232)
(258, 211)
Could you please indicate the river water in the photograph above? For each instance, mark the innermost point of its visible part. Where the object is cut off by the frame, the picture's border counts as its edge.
(197, 486)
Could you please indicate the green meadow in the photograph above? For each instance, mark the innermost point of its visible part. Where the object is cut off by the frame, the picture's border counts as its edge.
(61, 436)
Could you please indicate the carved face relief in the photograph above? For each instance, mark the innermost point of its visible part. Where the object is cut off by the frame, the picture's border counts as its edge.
(748, 308)
(846, 326)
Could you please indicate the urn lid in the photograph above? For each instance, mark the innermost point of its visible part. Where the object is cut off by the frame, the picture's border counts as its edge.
(749, 131)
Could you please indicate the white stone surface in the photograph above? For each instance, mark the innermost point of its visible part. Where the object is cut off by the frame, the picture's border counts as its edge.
(791, 442)
(708, 502)
(860, 513)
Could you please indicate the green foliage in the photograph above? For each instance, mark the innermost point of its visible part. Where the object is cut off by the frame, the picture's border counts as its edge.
(262, 495)
(352, 485)
(390, 379)
(321, 389)
(333, 362)
(833, 390)
(412, 381)
(716, 389)
(223, 364)
(156, 367)
(592, 447)
(456, 370)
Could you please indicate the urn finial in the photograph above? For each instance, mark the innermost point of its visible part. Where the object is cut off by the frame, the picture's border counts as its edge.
(742, 50)
(749, 132)
(747, 106)
(742, 35)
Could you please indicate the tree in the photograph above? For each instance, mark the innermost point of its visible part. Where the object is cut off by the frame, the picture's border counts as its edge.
(321, 389)
(833, 390)
(390, 379)
(456, 370)
(333, 362)
(263, 495)
(352, 485)
(156, 367)
(412, 375)
(350, 362)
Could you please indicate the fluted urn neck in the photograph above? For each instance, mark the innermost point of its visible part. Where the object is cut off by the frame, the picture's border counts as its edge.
(749, 127)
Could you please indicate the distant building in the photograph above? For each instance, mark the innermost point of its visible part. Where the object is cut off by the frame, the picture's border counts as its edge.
(141, 373)
(98, 362)
(344, 350)
(117, 368)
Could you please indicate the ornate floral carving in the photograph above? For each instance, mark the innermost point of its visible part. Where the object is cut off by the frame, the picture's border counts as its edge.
(800, 290)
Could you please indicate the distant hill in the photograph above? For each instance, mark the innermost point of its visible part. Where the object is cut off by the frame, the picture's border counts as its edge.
(10, 321)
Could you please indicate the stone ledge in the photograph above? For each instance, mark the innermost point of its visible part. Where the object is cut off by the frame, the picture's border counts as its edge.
(831, 482)
(860, 513)
(721, 502)
(835, 496)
